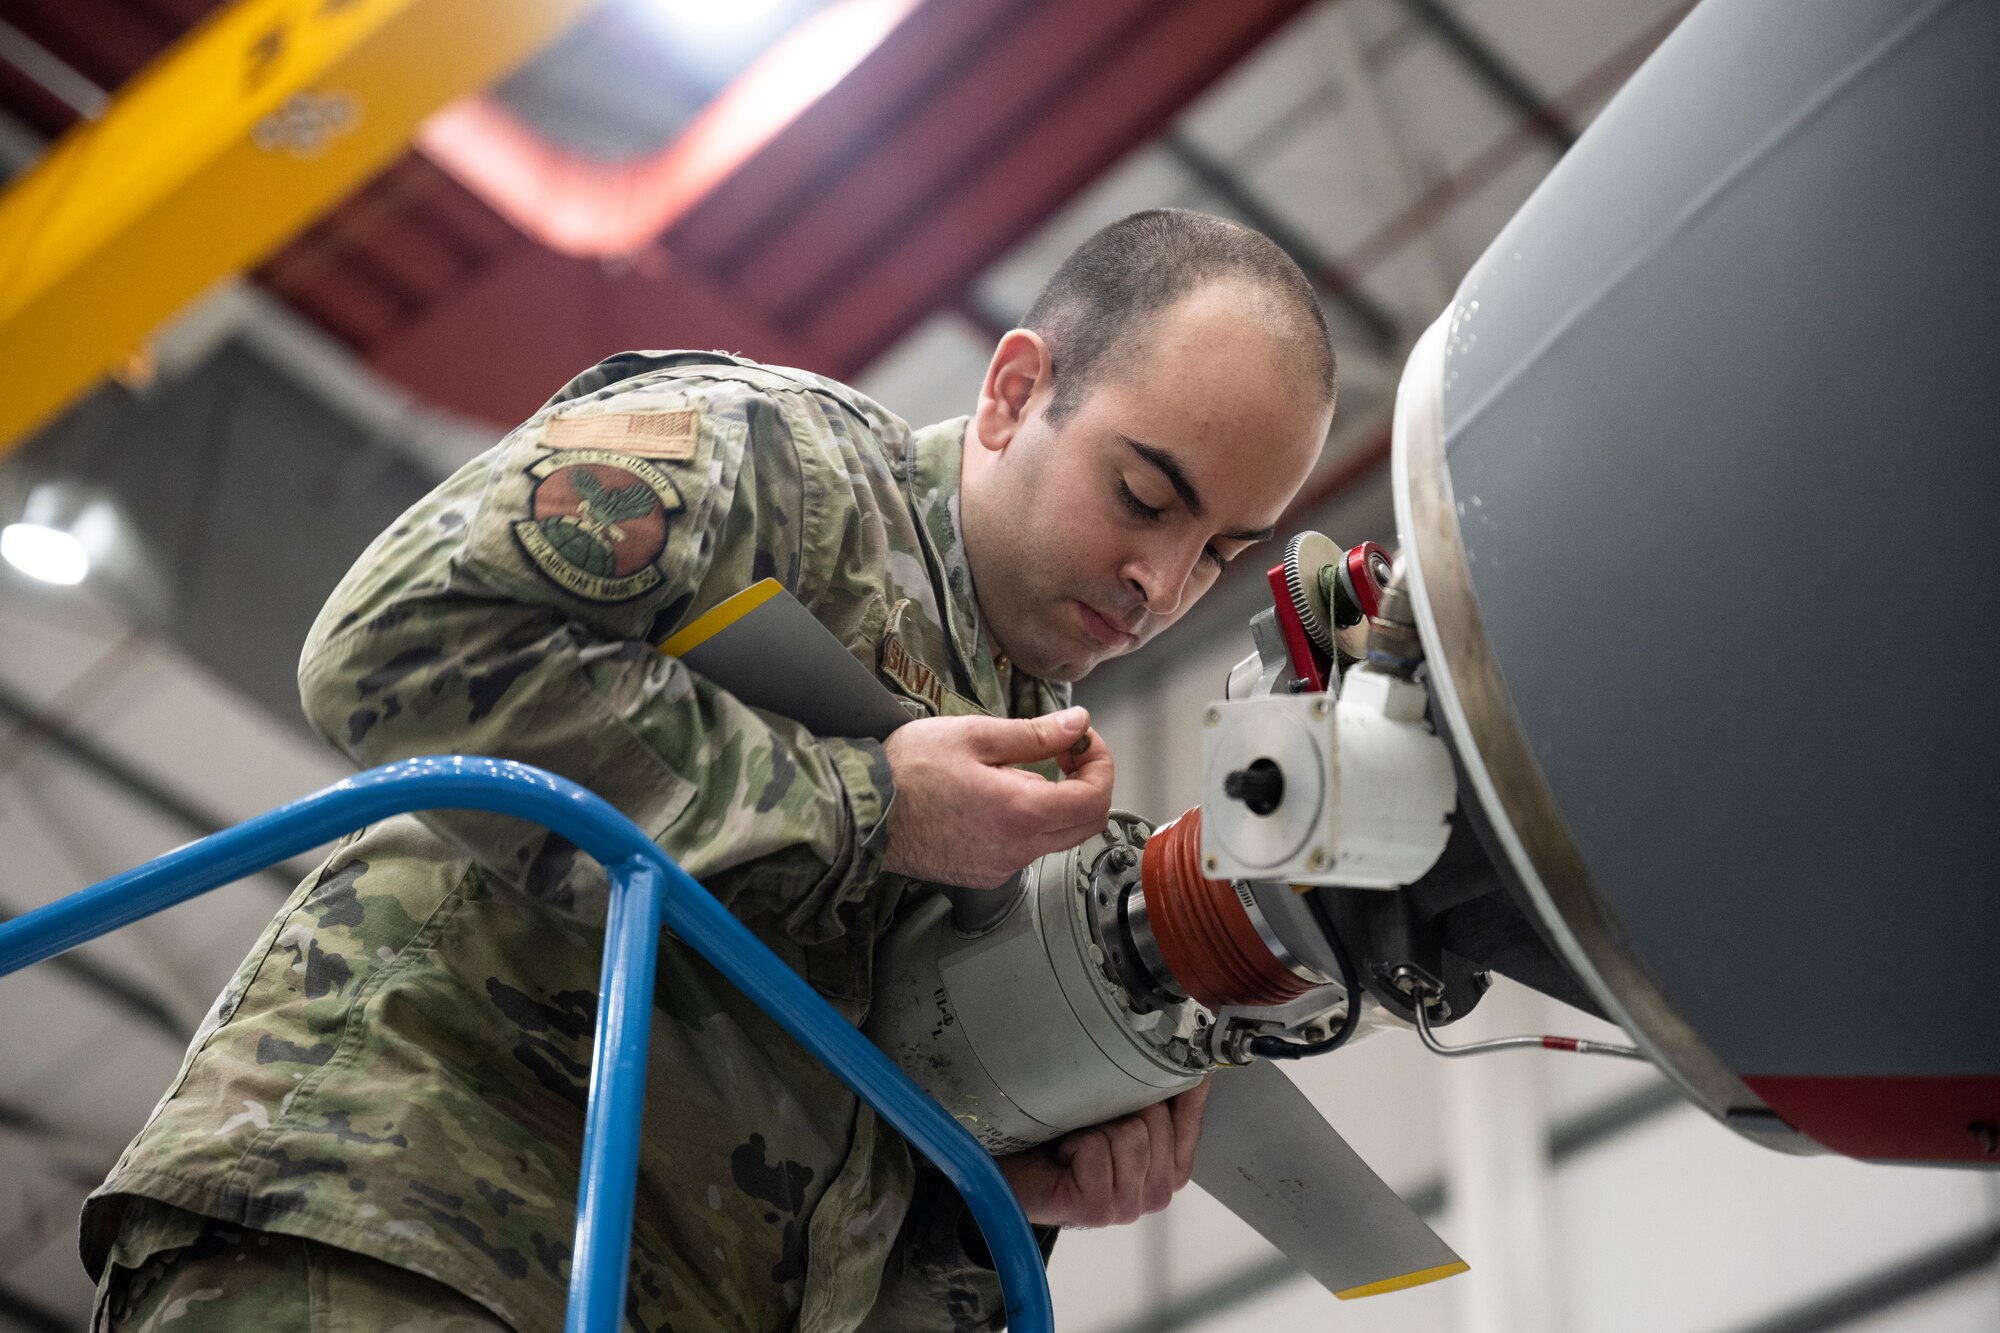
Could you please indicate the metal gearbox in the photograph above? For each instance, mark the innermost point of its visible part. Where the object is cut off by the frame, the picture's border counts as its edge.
(1353, 790)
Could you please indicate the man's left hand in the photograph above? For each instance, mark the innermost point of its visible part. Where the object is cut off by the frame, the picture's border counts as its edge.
(1113, 1173)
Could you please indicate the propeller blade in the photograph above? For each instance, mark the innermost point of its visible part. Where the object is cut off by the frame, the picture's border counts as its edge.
(1269, 1157)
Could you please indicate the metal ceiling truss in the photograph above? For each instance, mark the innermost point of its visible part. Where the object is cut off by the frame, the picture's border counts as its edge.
(1493, 70)
(136, 1000)
(1376, 320)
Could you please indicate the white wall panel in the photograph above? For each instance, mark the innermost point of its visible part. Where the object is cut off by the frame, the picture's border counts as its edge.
(1682, 1226)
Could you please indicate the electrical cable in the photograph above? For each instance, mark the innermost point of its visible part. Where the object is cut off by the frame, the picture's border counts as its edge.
(1277, 1048)
(1421, 996)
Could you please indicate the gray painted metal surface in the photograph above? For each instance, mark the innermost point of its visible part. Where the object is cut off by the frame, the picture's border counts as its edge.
(1720, 416)
(1018, 1031)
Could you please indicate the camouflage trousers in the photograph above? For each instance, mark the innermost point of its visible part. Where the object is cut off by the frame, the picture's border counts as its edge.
(228, 1278)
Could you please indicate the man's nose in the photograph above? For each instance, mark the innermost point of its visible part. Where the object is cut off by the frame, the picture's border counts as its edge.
(1160, 578)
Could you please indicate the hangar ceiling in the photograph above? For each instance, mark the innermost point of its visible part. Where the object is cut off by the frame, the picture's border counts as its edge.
(886, 236)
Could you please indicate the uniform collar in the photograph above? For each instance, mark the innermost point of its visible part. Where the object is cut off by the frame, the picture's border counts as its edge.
(936, 455)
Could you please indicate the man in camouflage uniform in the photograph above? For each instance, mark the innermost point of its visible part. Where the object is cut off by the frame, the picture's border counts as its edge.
(380, 1123)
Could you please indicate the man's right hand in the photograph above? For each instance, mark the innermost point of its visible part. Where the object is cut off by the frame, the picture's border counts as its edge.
(964, 815)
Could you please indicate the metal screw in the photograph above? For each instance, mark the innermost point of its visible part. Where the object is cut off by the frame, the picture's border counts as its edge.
(1317, 860)
(1212, 717)
(1209, 864)
(1319, 709)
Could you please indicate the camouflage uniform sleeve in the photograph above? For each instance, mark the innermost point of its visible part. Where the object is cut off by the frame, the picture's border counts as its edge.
(515, 612)
(940, 1275)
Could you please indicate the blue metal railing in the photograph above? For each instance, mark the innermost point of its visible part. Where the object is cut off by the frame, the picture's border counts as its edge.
(647, 890)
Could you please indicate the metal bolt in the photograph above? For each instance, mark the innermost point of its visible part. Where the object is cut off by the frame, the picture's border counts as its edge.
(1316, 860)
(1319, 709)
(1213, 717)
(1210, 864)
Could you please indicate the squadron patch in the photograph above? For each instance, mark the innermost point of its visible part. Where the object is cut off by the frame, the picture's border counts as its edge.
(599, 523)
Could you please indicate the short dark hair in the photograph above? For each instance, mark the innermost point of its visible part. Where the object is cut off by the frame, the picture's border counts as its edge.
(1113, 285)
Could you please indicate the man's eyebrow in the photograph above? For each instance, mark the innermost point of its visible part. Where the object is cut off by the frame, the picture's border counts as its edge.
(1170, 468)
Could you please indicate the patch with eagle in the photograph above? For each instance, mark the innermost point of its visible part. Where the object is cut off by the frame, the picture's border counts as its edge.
(599, 523)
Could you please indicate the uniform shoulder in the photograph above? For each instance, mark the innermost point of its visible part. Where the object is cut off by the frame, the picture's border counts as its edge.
(720, 379)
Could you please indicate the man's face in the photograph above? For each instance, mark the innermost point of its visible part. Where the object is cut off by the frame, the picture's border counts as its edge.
(1088, 537)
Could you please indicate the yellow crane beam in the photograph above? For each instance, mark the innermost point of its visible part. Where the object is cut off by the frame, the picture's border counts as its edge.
(257, 122)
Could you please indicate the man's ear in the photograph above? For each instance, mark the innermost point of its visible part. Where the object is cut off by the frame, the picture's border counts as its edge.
(1019, 370)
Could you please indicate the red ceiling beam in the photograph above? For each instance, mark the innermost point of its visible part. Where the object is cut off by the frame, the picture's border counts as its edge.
(915, 164)
(960, 133)
(937, 43)
(510, 337)
(394, 249)
(584, 206)
(859, 232)
(1079, 136)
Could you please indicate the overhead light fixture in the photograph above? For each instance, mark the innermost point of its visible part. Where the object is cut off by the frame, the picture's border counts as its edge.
(63, 531)
(718, 15)
(52, 555)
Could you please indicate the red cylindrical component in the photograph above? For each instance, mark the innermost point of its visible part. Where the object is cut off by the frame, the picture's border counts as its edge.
(1205, 934)
(1362, 564)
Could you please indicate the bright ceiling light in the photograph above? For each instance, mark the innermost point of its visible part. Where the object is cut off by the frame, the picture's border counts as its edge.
(718, 15)
(49, 554)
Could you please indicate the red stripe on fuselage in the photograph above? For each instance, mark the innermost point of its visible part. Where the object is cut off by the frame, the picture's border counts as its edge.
(1889, 1118)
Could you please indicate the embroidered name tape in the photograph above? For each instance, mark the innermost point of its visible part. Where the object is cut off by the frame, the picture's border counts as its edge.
(917, 680)
(668, 436)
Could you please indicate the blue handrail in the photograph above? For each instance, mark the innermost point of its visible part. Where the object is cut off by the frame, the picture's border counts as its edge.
(647, 889)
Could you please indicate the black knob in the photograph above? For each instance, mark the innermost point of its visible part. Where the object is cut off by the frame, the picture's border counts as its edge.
(1260, 786)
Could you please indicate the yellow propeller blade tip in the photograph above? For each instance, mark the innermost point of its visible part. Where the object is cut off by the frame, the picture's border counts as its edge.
(1407, 1280)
